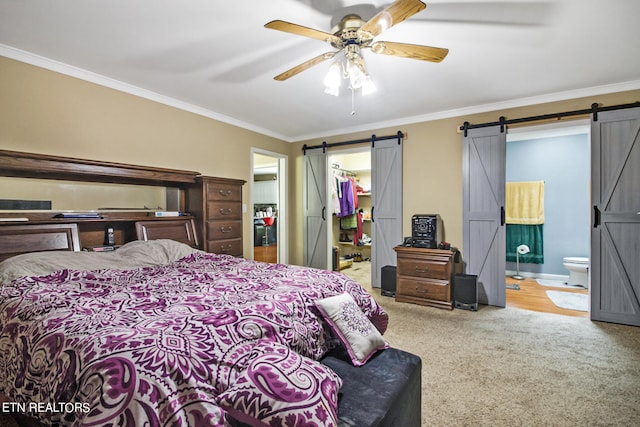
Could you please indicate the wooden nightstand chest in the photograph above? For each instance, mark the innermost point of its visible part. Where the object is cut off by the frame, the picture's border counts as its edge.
(216, 204)
(424, 276)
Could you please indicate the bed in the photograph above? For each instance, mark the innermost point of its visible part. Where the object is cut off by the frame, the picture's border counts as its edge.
(160, 333)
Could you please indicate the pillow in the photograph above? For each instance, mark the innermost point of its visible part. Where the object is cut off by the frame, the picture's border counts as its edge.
(357, 334)
(137, 253)
(280, 387)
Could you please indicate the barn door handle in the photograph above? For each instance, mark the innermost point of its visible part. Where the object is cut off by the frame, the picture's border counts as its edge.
(502, 215)
(324, 209)
(372, 218)
(596, 216)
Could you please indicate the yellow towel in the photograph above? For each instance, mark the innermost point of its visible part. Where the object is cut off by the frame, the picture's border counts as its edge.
(525, 202)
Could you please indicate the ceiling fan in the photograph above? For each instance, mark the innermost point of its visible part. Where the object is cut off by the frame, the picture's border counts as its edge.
(352, 34)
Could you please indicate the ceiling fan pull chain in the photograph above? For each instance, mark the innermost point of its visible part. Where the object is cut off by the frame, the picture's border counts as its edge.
(353, 102)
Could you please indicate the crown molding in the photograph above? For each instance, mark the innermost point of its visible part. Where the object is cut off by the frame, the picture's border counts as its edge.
(89, 76)
(69, 70)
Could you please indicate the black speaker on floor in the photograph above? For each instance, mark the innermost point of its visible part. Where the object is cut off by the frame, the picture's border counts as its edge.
(388, 281)
(465, 291)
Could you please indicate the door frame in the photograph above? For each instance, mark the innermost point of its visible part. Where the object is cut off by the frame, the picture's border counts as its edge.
(552, 130)
(282, 172)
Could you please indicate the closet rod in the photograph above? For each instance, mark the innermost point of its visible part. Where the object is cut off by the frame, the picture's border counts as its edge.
(346, 171)
(372, 140)
(595, 109)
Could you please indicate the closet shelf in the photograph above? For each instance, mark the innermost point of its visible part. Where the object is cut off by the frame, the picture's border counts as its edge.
(351, 244)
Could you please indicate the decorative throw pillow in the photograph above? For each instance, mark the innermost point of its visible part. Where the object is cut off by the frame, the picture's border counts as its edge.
(358, 335)
(280, 387)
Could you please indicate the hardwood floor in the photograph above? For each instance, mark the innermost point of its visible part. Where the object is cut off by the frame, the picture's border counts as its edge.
(266, 253)
(532, 296)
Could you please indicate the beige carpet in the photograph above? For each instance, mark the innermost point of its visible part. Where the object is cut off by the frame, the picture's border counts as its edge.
(512, 367)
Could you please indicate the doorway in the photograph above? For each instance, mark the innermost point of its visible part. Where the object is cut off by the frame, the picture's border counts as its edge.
(558, 156)
(386, 204)
(615, 212)
(269, 206)
(350, 232)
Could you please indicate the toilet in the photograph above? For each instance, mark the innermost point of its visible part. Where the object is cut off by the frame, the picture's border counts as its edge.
(578, 271)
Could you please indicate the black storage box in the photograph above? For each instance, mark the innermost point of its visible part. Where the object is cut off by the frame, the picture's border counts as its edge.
(388, 281)
(465, 291)
(385, 392)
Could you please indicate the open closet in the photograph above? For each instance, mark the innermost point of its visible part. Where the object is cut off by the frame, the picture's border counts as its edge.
(385, 198)
(350, 187)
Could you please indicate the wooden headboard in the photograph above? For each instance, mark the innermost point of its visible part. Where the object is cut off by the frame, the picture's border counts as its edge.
(43, 230)
(182, 230)
(18, 239)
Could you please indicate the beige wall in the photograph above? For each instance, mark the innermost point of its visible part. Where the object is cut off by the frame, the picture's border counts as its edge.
(432, 156)
(46, 112)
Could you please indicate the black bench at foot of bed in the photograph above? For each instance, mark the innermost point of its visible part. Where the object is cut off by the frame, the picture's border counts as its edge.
(386, 391)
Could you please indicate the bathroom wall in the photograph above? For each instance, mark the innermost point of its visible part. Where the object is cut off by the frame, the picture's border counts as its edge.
(563, 163)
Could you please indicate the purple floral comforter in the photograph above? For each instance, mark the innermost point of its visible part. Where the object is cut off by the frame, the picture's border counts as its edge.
(155, 345)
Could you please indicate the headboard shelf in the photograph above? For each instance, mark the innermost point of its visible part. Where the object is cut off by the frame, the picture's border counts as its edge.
(30, 165)
(49, 217)
(191, 196)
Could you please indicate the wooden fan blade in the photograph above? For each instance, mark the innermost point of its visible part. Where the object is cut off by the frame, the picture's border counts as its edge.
(288, 27)
(413, 51)
(305, 65)
(392, 15)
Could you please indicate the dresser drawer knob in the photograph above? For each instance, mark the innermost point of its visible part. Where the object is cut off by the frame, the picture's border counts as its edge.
(421, 291)
(227, 211)
(225, 193)
(228, 229)
(225, 249)
(421, 270)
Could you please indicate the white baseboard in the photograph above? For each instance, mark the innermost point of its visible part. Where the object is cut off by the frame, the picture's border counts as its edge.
(540, 275)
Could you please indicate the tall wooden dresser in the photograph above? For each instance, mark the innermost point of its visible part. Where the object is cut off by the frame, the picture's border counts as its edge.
(424, 276)
(216, 204)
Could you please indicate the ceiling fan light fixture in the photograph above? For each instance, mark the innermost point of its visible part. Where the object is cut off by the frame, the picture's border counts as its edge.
(354, 70)
(357, 76)
(333, 78)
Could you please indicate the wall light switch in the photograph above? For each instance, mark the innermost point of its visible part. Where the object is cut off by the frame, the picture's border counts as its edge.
(244, 208)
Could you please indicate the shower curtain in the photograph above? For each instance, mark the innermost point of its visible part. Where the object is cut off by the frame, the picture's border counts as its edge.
(525, 220)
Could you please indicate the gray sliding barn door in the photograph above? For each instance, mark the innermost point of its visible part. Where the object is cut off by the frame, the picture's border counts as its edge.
(315, 209)
(483, 168)
(615, 236)
(386, 205)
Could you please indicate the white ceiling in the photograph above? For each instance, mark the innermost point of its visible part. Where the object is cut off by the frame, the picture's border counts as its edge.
(216, 58)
